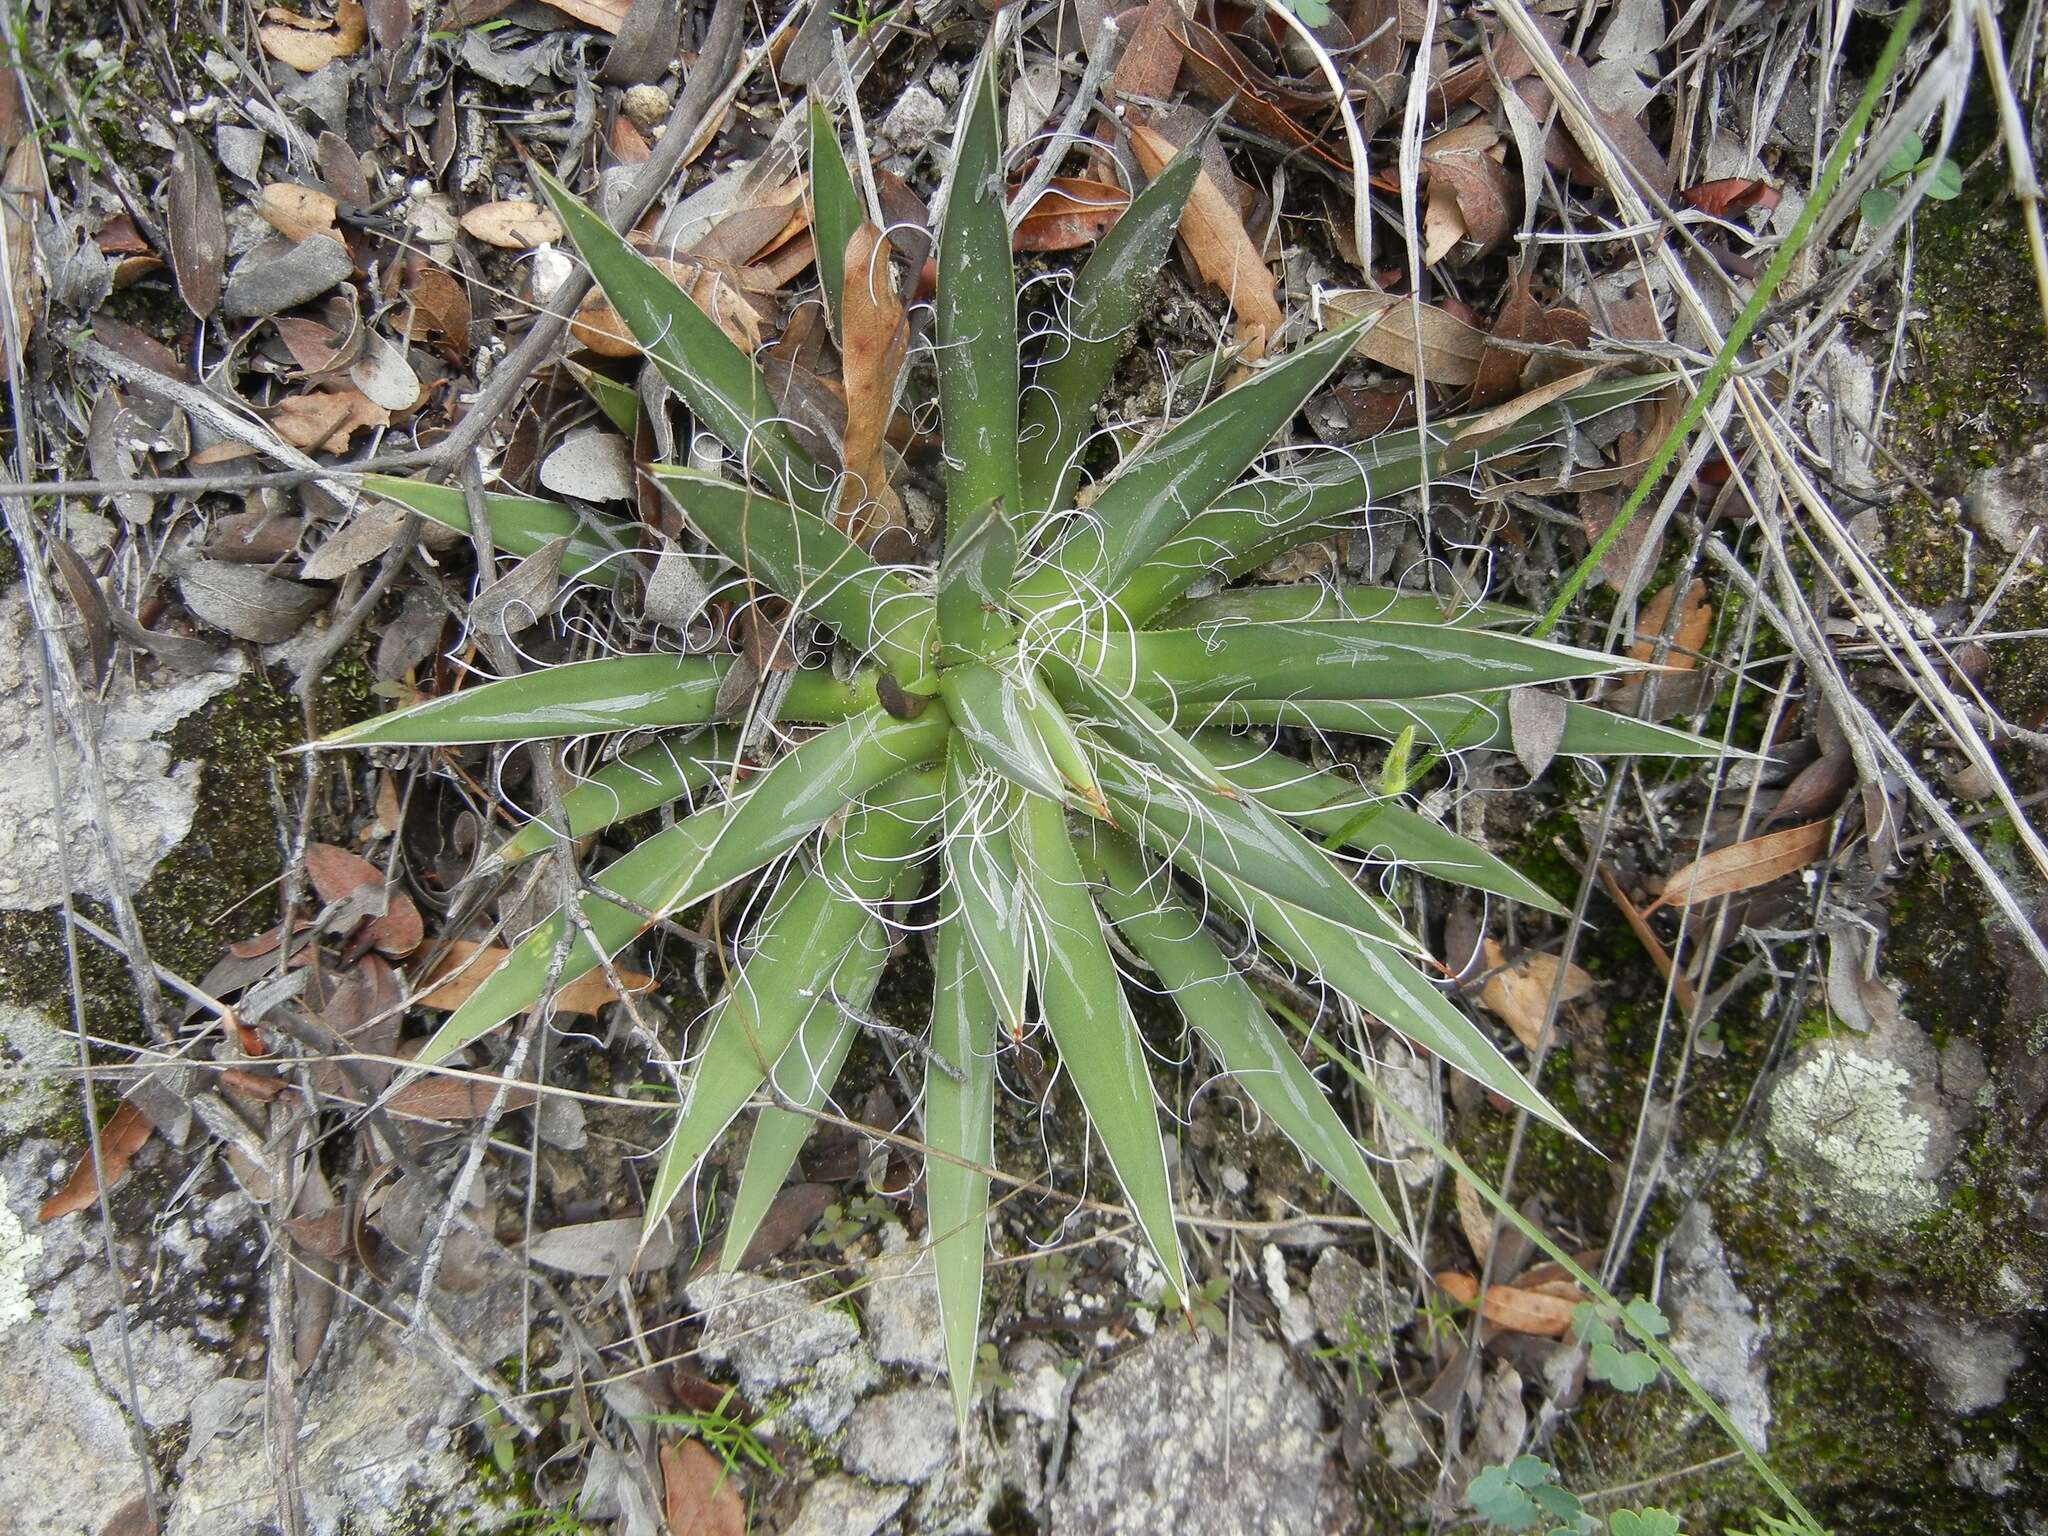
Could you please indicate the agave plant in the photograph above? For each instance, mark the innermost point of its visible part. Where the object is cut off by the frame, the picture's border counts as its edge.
(1063, 723)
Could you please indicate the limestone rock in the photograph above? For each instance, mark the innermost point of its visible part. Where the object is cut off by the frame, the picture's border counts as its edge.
(845, 1506)
(1714, 1327)
(900, 1437)
(786, 1340)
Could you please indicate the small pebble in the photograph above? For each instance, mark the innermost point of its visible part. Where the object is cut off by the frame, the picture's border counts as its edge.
(645, 106)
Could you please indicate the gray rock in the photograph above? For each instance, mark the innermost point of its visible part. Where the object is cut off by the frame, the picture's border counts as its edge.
(275, 277)
(240, 150)
(1714, 1328)
(902, 1305)
(69, 1464)
(1149, 1437)
(844, 1506)
(917, 118)
(1352, 1304)
(34, 1053)
(1970, 1364)
(1039, 1375)
(787, 1340)
(150, 800)
(900, 1437)
(1989, 1473)
(324, 93)
(170, 1369)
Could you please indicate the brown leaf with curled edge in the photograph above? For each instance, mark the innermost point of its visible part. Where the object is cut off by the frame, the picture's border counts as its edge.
(698, 1494)
(335, 873)
(1070, 213)
(1491, 423)
(308, 44)
(512, 225)
(443, 1097)
(466, 965)
(1731, 195)
(1518, 992)
(196, 229)
(325, 421)
(1509, 1307)
(605, 15)
(1695, 622)
(1474, 1220)
(877, 337)
(296, 212)
(1450, 349)
(120, 1139)
(1221, 248)
(1255, 96)
(1744, 866)
(1653, 946)
(1150, 65)
(1500, 369)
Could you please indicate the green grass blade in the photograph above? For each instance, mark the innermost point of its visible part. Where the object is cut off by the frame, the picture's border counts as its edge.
(1448, 724)
(815, 919)
(716, 379)
(984, 898)
(522, 524)
(699, 855)
(1320, 493)
(1327, 803)
(1090, 1021)
(959, 1122)
(1165, 484)
(642, 780)
(613, 693)
(1102, 319)
(835, 213)
(976, 318)
(1387, 987)
(805, 1074)
(799, 555)
(1222, 1008)
(1336, 659)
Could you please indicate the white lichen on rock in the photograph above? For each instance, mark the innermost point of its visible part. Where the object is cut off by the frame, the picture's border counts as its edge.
(1849, 1118)
(19, 1249)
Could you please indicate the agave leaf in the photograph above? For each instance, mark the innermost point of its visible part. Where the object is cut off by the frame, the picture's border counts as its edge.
(1223, 1009)
(1385, 986)
(990, 710)
(520, 525)
(716, 379)
(1315, 602)
(642, 780)
(1338, 659)
(1090, 1022)
(804, 1074)
(1208, 834)
(1166, 483)
(619, 402)
(1327, 804)
(1446, 724)
(1321, 492)
(974, 583)
(1102, 320)
(959, 1123)
(976, 319)
(835, 212)
(698, 856)
(798, 555)
(579, 698)
(814, 921)
(985, 895)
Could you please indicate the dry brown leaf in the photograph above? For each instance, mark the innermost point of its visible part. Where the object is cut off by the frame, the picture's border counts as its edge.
(335, 873)
(296, 212)
(1695, 621)
(1150, 65)
(197, 230)
(1518, 994)
(23, 184)
(698, 1493)
(1450, 351)
(1731, 195)
(1507, 1306)
(1478, 186)
(1070, 213)
(513, 225)
(1443, 226)
(1222, 250)
(877, 337)
(1475, 1220)
(308, 44)
(120, 1139)
(1653, 946)
(441, 1097)
(324, 421)
(1505, 415)
(467, 964)
(600, 328)
(605, 15)
(440, 307)
(1744, 866)
(1500, 369)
